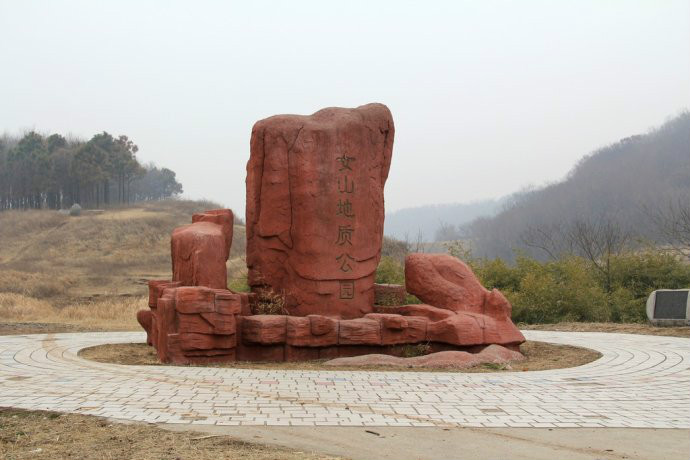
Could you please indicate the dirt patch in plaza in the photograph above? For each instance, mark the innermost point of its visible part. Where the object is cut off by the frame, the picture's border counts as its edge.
(623, 328)
(539, 356)
(50, 435)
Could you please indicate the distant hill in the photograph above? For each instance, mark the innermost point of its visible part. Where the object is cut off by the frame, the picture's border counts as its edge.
(438, 221)
(624, 182)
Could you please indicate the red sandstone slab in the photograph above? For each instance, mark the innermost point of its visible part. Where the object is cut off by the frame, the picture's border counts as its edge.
(301, 353)
(165, 325)
(259, 353)
(394, 332)
(322, 325)
(427, 311)
(207, 323)
(300, 332)
(228, 303)
(194, 300)
(360, 331)
(264, 329)
(194, 341)
(210, 352)
(173, 352)
(227, 357)
(389, 320)
(156, 288)
(145, 319)
(463, 330)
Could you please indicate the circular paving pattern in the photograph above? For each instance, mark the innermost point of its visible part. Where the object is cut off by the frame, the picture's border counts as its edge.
(640, 381)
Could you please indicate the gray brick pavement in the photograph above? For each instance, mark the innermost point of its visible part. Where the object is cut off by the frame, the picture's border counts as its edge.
(640, 381)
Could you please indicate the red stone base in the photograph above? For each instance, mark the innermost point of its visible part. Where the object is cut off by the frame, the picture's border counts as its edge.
(194, 324)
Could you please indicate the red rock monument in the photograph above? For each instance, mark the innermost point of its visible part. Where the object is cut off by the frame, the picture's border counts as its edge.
(314, 231)
(315, 207)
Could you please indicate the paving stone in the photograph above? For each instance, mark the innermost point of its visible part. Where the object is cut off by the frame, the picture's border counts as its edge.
(640, 381)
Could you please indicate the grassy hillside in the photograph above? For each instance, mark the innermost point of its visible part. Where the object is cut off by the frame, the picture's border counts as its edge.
(52, 259)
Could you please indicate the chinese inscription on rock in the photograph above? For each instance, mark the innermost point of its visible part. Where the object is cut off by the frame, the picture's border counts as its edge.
(346, 213)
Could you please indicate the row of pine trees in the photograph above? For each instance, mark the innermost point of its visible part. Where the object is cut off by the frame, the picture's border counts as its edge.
(54, 172)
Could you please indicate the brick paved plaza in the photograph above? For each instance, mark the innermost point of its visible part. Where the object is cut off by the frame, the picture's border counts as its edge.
(640, 381)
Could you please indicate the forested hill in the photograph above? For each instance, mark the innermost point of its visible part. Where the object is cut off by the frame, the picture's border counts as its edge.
(626, 186)
(38, 171)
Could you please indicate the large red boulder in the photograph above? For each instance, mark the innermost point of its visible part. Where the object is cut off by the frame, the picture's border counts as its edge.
(315, 207)
(479, 316)
(199, 251)
(444, 282)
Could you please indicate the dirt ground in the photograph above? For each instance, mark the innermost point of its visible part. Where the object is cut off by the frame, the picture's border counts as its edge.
(42, 328)
(50, 435)
(624, 328)
(540, 356)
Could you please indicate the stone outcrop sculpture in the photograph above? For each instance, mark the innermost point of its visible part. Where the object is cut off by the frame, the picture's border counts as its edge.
(200, 250)
(314, 231)
(315, 207)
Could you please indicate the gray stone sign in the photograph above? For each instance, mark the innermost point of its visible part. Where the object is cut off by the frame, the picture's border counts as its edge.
(669, 307)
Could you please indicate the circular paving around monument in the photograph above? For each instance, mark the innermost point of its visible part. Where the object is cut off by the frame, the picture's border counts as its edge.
(640, 381)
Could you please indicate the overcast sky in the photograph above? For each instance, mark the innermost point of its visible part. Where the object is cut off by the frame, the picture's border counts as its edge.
(487, 96)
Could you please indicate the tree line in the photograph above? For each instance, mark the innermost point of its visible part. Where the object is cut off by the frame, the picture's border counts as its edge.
(55, 172)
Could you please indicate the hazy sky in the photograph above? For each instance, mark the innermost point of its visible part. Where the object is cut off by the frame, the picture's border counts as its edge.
(487, 96)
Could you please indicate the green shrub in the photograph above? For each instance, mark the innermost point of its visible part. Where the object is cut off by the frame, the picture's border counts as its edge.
(390, 271)
(238, 284)
(552, 292)
(643, 272)
(571, 289)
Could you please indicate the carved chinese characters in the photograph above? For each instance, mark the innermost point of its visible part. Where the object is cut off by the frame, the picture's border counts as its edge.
(345, 210)
(315, 207)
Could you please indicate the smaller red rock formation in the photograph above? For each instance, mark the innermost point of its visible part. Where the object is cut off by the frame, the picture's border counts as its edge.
(444, 282)
(473, 315)
(192, 324)
(200, 250)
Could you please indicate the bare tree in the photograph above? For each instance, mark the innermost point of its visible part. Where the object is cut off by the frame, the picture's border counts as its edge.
(417, 245)
(599, 241)
(446, 232)
(551, 238)
(673, 224)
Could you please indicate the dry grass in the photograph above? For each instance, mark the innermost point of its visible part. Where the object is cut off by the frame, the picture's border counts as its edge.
(104, 314)
(38, 285)
(48, 255)
(623, 328)
(539, 356)
(50, 435)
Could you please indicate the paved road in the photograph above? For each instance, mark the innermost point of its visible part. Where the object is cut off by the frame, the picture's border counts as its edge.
(640, 382)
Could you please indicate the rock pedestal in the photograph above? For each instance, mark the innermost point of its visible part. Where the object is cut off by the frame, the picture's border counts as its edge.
(315, 207)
